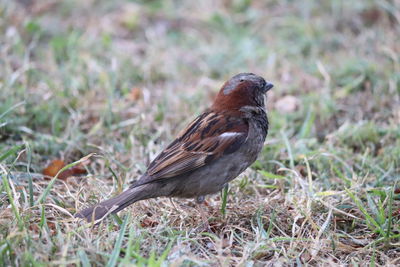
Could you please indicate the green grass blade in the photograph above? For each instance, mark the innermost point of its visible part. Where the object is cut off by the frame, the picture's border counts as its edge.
(117, 247)
(14, 208)
(165, 253)
(390, 213)
(288, 148)
(129, 246)
(11, 108)
(224, 200)
(28, 170)
(10, 152)
(271, 224)
(307, 124)
(271, 175)
(84, 258)
(370, 221)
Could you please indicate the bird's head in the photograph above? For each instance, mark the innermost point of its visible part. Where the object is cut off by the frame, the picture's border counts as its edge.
(244, 89)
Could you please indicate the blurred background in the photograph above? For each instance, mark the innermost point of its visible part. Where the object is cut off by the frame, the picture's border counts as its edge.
(73, 65)
(121, 78)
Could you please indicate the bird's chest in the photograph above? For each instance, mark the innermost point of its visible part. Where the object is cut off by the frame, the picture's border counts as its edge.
(258, 129)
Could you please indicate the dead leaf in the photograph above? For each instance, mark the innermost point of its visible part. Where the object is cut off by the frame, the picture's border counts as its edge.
(396, 213)
(302, 170)
(135, 94)
(34, 227)
(371, 16)
(146, 222)
(56, 165)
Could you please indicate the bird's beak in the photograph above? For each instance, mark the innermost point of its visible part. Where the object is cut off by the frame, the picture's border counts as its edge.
(268, 86)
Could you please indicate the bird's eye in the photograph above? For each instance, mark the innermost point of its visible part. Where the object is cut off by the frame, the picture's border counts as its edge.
(241, 80)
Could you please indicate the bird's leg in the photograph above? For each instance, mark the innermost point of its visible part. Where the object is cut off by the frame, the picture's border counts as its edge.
(199, 202)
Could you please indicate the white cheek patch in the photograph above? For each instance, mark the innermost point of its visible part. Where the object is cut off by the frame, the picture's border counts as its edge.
(229, 134)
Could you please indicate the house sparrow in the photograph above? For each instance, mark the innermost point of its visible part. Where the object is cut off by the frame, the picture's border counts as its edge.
(214, 149)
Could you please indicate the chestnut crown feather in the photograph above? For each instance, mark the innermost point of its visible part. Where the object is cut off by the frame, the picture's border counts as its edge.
(244, 89)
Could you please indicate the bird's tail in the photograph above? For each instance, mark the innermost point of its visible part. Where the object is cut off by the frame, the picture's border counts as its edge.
(114, 204)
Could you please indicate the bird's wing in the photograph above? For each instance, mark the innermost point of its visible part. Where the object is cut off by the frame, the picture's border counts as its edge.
(207, 138)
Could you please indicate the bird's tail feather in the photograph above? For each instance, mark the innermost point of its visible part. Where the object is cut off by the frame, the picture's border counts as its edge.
(113, 205)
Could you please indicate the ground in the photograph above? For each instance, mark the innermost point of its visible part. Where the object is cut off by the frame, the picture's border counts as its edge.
(120, 79)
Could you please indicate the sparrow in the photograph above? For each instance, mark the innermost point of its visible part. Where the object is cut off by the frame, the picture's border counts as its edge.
(210, 152)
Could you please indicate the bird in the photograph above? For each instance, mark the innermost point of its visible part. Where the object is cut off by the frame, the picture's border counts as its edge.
(210, 152)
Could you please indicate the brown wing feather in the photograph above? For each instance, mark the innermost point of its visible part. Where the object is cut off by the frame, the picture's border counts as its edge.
(208, 137)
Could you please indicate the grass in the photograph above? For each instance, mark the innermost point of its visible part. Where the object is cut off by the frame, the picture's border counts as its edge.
(121, 79)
